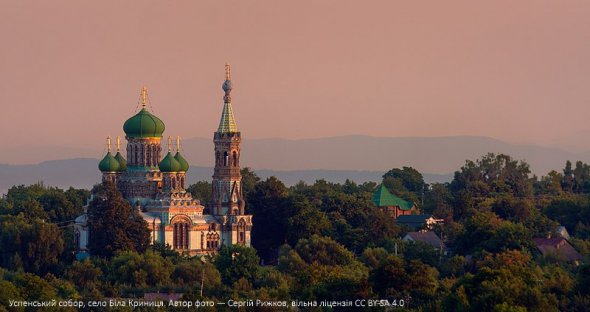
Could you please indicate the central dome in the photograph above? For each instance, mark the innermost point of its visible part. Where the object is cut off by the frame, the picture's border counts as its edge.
(144, 125)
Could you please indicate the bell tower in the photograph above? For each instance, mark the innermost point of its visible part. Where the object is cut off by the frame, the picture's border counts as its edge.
(226, 196)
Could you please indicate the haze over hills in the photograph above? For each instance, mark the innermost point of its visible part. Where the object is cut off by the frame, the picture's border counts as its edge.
(359, 158)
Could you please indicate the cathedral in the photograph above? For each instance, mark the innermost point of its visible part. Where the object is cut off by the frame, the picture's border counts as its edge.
(156, 185)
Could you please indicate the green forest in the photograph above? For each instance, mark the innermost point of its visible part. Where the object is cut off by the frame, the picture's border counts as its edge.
(317, 242)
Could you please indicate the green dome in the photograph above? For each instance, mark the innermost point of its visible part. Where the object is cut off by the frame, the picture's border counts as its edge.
(122, 162)
(169, 164)
(108, 163)
(183, 163)
(144, 125)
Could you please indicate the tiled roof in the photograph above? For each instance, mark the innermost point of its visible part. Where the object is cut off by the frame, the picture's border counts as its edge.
(559, 247)
(227, 123)
(426, 237)
(383, 198)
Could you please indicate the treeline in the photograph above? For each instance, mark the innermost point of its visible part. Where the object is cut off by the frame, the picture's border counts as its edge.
(328, 241)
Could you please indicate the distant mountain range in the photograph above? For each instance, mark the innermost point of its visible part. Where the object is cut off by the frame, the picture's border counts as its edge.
(359, 158)
(83, 173)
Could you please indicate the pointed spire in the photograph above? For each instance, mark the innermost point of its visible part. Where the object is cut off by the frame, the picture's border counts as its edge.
(109, 143)
(143, 97)
(118, 144)
(178, 144)
(227, 122)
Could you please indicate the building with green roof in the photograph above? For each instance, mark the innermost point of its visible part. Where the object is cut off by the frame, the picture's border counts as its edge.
(392, 204)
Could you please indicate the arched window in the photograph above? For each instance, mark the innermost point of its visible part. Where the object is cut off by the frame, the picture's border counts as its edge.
(242, 232)
(225, 158)
(181, 234)
(77, 239)
(212, 241)
(235, 158)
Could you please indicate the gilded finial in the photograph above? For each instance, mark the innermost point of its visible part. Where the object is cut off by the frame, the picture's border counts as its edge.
(178, 144)
(109, 143)
(227, 84)
(143, 96)
(118, 143)
(169, 143)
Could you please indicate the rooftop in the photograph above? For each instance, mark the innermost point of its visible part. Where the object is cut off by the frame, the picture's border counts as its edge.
(383, 198)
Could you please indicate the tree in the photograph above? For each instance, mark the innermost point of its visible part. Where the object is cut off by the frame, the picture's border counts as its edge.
(270, 216)
(492, 175)
(551, 183)
(114, 225)
(513, 209)
(407, 183)
(249, 180)
(397, 279)
(306, 221)
(507, 279)
(236, 262)
(148, 269)
(568, 211)
(201, 191)
(438, 201)
(85, 275)
(323, 250)
(568, 177)
(30, 244)
(58, 207)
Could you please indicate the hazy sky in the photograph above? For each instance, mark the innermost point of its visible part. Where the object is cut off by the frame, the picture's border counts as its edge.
(71, 71)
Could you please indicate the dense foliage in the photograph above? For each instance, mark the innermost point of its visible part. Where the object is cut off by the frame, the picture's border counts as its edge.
(323, 241)
(114, 225)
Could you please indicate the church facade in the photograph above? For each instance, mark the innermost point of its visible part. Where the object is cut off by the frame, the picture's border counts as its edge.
(156, 185)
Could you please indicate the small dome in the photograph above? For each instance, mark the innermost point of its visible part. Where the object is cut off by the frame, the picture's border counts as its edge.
(183, 163)
(144, 125)
(169, 164)
(108, 163)
(122, 162)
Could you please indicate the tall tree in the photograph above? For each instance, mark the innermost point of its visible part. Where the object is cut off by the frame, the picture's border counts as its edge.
(407, 183)
(114, 225)
(270, 216)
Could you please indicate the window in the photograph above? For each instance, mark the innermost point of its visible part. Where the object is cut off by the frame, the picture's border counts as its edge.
(225, 158)
(77, 239)
(180, 235)
(242, 232)
(212, 241)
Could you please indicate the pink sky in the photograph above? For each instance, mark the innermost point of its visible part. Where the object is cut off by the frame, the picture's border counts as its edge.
(71, 71)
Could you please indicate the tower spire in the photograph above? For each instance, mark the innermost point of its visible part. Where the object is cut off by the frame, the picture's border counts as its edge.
(177, 144)
(227, 122)
(109, 143)
(143, 96)
(169, 143)
(118, 143)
